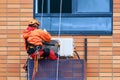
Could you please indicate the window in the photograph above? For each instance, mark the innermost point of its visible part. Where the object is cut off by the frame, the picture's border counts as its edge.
(78, 17)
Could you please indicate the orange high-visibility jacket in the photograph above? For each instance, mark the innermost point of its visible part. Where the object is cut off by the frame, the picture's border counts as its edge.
(36, 37)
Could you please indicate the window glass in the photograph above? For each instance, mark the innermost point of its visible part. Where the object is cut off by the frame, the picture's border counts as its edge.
(55, 6)
(67, 6)
(93, 5)
(42, 4)
(78, 25)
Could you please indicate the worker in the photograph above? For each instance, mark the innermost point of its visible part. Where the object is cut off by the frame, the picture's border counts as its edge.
(34, 40)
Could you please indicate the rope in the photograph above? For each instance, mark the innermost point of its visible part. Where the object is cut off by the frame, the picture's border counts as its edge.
(42, 13)
(57, 74)
(60, 19)
(35, 69)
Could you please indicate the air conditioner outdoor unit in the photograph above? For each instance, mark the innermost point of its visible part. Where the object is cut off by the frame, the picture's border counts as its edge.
(66, 46)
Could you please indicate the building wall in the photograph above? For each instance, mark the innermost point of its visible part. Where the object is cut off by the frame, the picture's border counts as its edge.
(103, 51)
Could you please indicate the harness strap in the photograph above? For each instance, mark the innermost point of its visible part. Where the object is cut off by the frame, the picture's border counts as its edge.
(35, 69)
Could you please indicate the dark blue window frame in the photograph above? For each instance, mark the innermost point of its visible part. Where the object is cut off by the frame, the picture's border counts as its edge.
(103, 25)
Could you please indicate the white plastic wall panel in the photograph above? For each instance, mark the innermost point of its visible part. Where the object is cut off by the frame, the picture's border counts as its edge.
(66, 46)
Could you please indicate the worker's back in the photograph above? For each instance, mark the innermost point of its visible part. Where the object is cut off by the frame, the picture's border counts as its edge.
(36, 36)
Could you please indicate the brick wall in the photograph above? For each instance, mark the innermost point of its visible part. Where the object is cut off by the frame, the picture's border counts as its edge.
(103, 51)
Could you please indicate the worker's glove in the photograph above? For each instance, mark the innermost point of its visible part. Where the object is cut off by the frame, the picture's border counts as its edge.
(31, 51)
(44, 30)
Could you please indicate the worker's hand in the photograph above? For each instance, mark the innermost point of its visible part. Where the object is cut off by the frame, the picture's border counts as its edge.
(44, 30)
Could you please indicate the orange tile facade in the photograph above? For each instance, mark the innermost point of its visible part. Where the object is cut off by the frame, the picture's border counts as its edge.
(103, 51)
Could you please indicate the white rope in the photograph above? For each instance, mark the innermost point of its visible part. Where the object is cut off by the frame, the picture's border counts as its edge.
(57, 74)
(42, 13)
(60, 19)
